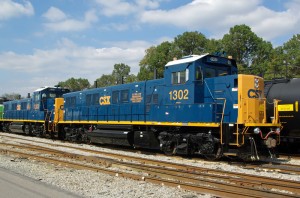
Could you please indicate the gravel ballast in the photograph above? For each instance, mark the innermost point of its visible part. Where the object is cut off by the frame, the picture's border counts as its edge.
(92, 184)
(89, 183)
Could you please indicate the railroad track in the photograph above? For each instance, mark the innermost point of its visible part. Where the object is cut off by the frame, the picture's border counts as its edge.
(216, 182)
(290, 156)
(270, 166)
(276, 167)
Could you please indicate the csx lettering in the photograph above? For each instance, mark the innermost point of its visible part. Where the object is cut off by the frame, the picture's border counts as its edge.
(252, 93)
(179, 94)
(104, 100)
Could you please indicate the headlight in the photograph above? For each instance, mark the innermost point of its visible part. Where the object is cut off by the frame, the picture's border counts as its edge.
(256, 130)
(256, 83)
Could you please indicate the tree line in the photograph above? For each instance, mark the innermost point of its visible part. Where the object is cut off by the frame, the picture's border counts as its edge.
(253, 55)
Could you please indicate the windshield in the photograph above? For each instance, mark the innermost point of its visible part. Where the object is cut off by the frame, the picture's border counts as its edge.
(214, 72)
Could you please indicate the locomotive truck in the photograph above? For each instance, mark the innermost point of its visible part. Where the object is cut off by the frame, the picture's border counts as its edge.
(201, 106)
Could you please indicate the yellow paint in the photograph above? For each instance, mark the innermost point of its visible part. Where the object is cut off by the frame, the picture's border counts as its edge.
(195, 124)
(262, 125)
(104, 100)
(251, 105)
(58, 109)
(286, 107)
(296, 106)
(261, 107)
(179, 94)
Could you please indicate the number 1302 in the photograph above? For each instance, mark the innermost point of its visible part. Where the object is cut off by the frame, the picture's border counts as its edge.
(179, 94)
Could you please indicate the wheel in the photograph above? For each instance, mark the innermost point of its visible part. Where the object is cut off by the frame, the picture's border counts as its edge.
(170, 149)
(216, 152)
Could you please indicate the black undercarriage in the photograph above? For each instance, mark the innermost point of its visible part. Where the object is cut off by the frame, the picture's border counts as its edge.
(171, 140)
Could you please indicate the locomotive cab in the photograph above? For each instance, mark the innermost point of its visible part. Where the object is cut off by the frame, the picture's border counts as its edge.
(190, 86)
(43, 101)
(190, 72)
(43, 98)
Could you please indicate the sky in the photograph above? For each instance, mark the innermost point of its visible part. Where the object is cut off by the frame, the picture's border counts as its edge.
(44, 42)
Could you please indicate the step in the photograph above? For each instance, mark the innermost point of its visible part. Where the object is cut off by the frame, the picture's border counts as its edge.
(230, 154)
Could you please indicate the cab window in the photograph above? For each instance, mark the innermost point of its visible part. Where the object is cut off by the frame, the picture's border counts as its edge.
(124, 96)
(222, 73)
(37, 97)
(115, 97)
(209, 73)
(212, 72)
(52, 95)
(180, 77)
(198, 73)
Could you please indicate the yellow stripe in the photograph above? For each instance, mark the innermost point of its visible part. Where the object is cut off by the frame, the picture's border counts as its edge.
(144, 123)
(296, 106)
(262, 125)
(193, 124)
(15, 120)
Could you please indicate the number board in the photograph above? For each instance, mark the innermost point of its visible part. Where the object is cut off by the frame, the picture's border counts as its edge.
(179, 94)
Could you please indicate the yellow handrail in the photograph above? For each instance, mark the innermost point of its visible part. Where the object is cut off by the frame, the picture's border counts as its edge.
(276, 113)
(222, 119)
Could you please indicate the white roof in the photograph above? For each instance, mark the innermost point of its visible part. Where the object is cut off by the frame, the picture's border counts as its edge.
(186, 60)
(43, 88)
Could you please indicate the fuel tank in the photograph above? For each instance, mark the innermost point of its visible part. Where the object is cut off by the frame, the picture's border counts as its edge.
(288, 92)
(112, 134)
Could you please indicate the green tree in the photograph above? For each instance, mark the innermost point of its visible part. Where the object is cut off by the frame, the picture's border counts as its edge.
(241, 43)
(190, 43)
(214, 46)
(120, 72)
(252, 53)
(11, 96)
(75, 84)
(155, 58)
(145, 65)
(131, 78)
(262, 57)
(291, 54)
(106, 80)
(158, 56)
(275, 69)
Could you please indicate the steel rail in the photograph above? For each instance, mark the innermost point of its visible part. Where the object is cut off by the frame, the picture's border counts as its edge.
(251, 188)
(151, 179)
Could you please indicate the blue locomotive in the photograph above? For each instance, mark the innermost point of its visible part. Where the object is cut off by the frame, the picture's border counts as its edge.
(201, 106)
(33, 114)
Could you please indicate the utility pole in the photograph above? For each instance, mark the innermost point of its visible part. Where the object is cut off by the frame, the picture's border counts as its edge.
(286, 69)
